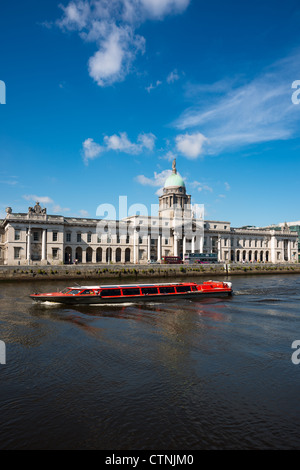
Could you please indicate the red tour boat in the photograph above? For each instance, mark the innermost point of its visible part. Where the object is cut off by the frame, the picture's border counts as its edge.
(137, 293)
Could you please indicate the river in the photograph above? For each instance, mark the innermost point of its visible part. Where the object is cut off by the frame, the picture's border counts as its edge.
(188, 375)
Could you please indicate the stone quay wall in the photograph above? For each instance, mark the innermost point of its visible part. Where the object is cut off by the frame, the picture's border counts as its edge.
(116, 273)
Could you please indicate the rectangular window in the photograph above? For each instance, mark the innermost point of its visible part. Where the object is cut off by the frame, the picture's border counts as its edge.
(166, 290)
(149, 290)
(36, 236)
(183, 288)
(99, 239)
(17, 252)
(89, 237)
(54, 253)
(118, 238)
(68, 237)
(54, 236)
(166, 241)
(110, 292)
(78, 237)
(127, 239)
(131, 291)
(17, 234)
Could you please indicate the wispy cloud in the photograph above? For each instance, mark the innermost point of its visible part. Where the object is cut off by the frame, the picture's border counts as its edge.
(152, 87)
(233, 114)
(201, 186)
(83, 213)
(173, 76)
(112, 25)
(35, 198)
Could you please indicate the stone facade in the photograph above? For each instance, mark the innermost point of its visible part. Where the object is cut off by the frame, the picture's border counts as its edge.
(37, 238)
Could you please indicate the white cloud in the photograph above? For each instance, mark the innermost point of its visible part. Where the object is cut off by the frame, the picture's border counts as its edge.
(111, 26)
(91, 150)
(158, 179)
(112, 61)
(159, 8)
(190, 145)
(123, 144)
(227, 186)
(119, 143)
(76, 15)
(147, 140)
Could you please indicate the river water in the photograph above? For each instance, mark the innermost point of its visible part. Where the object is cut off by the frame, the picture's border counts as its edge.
(189, 375)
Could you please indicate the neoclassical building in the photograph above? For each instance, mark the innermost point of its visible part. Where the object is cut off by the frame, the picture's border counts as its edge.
(39, 238)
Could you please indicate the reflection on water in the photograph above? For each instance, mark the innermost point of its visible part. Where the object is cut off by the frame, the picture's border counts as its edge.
(182, 375)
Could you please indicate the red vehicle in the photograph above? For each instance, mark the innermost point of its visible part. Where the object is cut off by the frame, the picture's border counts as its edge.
(137, 293)
(171, 260)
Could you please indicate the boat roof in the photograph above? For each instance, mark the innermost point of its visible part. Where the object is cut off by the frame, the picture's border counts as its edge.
(118, 286)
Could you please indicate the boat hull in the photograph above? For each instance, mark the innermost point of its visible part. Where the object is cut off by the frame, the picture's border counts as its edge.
(98, 300)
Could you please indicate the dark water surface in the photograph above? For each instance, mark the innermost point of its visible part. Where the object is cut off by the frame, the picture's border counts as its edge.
(215, 374)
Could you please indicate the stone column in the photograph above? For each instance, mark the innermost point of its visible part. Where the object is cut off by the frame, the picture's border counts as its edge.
(44, 245)
(273, 251)
(184, 246)
(134, 245)
(201, 244)
(149, 248)
(193, 244)
(175, 245)
(219, 250)
(289, 251)
(29, 245)
(159, 248)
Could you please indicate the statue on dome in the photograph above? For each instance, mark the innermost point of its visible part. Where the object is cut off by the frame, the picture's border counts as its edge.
(174, 166)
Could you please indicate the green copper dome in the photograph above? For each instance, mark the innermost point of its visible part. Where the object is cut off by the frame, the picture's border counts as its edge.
(174, 180)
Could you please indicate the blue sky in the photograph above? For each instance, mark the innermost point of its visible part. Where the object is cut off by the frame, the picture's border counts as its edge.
(102, 95)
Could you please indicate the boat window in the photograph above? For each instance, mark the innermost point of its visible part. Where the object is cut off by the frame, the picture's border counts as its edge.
(73, 292)
(110, 292)
(131, 291)
(183, 288)
(85, 292)
(167, 290)
(149, 290)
